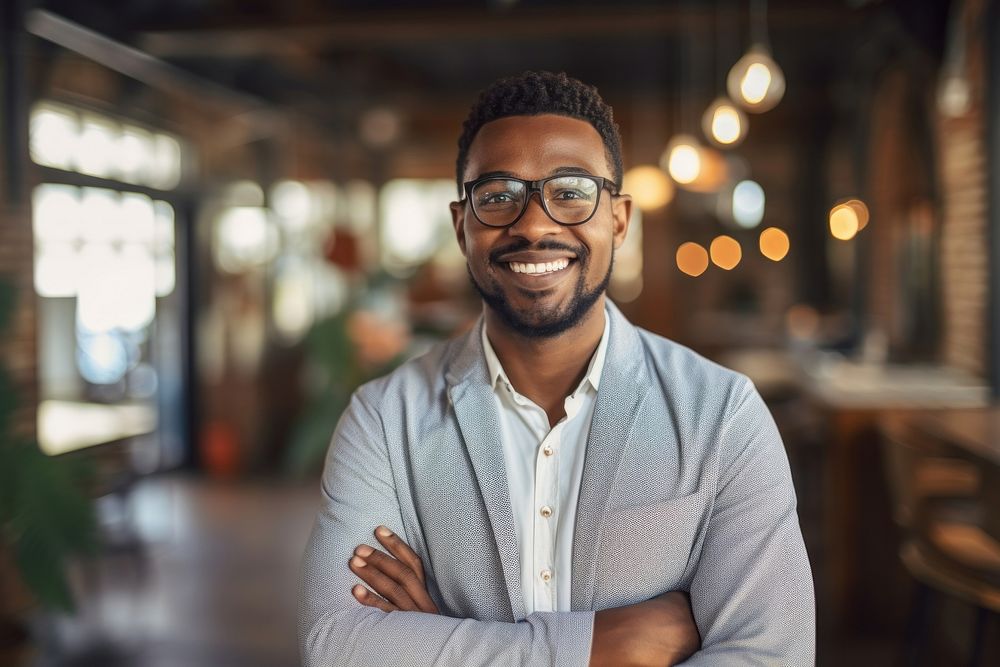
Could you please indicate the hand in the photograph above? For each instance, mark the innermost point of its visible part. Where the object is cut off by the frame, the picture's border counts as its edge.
(658, 632)
(397, 580)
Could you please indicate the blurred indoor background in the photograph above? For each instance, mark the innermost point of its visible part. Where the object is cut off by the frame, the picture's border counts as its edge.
(218, 217)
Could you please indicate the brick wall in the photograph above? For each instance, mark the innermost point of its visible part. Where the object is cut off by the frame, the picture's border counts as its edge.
(964, 232)
(18, 344)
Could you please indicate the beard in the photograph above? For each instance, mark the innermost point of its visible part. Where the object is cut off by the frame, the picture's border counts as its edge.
(539, 321)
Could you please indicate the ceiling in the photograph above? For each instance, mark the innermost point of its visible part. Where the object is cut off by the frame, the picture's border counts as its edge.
(329, 60)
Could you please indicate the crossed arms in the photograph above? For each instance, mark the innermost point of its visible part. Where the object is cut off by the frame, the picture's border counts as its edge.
(751, 595)
(658, 632)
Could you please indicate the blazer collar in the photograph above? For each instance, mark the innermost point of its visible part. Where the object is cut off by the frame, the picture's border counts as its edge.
(624, 386)
(471, 395)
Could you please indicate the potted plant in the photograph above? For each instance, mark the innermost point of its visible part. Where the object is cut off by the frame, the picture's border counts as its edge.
(45, 515)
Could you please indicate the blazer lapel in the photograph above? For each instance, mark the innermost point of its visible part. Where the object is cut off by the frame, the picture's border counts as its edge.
(624, 385)
(471, 394)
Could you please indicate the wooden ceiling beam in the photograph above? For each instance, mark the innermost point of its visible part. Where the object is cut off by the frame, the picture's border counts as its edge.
(369, 30)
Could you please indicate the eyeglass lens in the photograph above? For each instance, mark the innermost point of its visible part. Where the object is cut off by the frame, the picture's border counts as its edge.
(567, 199)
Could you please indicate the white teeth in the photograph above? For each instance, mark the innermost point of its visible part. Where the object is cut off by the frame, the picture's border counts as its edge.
(539, 268)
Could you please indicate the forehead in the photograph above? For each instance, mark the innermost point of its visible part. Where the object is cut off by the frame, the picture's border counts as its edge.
(534, 146)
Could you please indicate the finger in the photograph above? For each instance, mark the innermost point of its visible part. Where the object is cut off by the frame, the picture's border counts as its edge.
(373, 571)
(401, 574)
(369, 599)
(401, 550)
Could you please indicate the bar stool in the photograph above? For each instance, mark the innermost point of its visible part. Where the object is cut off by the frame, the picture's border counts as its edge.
(938, 505)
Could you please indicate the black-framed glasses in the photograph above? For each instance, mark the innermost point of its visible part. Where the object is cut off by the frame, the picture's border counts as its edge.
(569, 199)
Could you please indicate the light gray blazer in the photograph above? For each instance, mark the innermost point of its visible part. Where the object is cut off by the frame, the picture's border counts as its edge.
(685, 486)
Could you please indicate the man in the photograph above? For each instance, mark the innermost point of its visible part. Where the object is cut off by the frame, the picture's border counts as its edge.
(549, 487)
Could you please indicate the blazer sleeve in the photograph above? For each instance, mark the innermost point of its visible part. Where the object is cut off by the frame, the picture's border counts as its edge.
(752, 591)
(358, 494)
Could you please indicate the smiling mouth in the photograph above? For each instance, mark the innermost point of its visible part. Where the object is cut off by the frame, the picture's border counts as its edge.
(539, 268)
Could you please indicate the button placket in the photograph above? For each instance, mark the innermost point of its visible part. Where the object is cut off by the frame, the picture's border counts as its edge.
(546, 494)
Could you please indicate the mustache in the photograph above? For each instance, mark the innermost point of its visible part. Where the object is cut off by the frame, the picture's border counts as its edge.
(545, 244)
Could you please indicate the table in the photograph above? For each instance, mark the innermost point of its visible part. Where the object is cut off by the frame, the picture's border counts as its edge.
(857, 526)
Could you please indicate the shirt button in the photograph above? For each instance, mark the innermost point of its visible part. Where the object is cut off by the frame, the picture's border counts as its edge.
(548, 451)
(546, 511)
(546, 575)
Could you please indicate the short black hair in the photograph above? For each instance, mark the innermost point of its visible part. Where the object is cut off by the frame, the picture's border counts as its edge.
(535, 93)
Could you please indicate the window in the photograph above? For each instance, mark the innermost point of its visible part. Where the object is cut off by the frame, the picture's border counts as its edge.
(104, 269)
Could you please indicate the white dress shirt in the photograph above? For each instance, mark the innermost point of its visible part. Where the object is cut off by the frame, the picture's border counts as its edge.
(544, 470)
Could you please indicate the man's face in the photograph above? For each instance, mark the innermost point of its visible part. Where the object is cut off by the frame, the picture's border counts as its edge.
(543, 303)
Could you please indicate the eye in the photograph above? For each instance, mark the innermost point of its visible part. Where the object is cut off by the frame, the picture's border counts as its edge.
(571, 189)
(501, 197)
(568, 194)
(497, 193)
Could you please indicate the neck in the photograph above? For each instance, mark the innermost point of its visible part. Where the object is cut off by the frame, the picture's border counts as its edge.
(547, 370)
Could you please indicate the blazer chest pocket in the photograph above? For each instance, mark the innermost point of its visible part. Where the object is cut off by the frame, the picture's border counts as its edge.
(644, 549)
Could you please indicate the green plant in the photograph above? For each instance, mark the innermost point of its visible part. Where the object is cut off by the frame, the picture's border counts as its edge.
(341, 369)
(45, 513)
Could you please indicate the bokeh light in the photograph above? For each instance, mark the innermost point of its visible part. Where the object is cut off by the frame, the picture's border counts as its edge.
(135, 154)
(755, 81)
(292, 202)
(748, 204)
(649, 186)
(54, 131)
(244, 238)
(844, 223)
(682, 159)
(692, 259)
(774, 244)
(724, 123)
(97, 152)
(726, 252)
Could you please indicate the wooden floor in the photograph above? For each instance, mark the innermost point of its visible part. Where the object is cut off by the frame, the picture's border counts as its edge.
(201, 574)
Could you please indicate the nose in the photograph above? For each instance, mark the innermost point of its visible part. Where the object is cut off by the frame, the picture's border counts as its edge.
(534, 223)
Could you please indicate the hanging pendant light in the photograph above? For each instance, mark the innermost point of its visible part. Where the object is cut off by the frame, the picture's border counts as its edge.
(724, 123)
(755, 81)
(682, 159)
(693, 166)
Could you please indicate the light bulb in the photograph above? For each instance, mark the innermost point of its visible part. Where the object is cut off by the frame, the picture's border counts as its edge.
(723, 123)
(843, 222)
(693, 166)
(755, 81)
(683, 160)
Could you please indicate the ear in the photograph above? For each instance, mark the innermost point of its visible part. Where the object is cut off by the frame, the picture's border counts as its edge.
(621, 215)
(458, 222)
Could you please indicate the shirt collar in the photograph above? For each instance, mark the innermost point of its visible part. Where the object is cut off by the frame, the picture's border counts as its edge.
(594, 370)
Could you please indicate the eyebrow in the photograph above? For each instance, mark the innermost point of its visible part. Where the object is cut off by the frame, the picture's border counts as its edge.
(554, 172)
